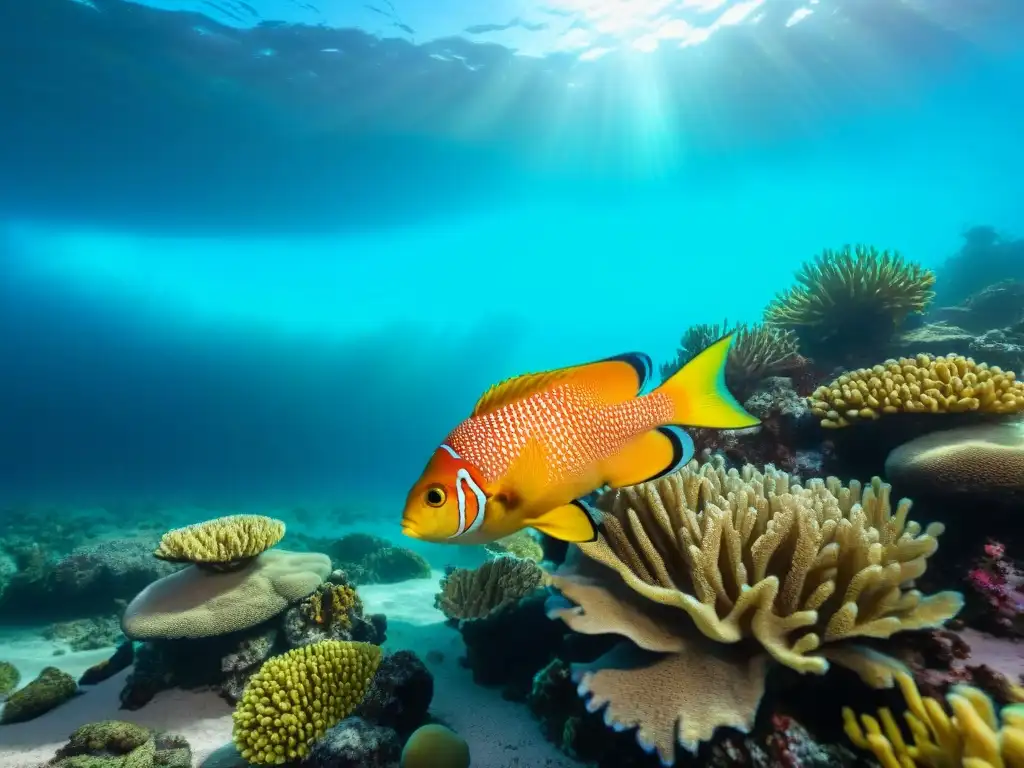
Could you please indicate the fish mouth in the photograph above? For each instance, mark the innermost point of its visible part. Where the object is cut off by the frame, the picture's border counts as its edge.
(411, 532)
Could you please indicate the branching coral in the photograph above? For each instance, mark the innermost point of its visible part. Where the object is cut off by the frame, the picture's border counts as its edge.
(296, 697)
(473, 594)
(925, 384)
(223, 543)
(757, 353)
(975, 736)
(854, 297)
(740, 556)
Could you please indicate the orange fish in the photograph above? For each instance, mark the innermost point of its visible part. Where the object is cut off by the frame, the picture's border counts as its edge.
(535, 444)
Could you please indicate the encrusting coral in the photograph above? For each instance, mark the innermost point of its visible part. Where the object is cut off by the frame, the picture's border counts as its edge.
(739, 556)
(332, 604)
(975, 736)
(855, 297)
(9, 678)
(223, 543)
(925, 384)
(476, 593)
(758, 352)
(296, 697)
(49, 690)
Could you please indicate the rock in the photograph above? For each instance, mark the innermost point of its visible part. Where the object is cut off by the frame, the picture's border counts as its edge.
(51, 689)
(356, 743)
(225, 757)
(938, 338)
(118, 744)
(400, 693)
(122, 659)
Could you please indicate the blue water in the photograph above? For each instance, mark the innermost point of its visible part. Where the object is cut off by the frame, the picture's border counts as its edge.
(275, 250)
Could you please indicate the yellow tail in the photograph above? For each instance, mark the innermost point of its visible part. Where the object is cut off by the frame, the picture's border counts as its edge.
(700, 396)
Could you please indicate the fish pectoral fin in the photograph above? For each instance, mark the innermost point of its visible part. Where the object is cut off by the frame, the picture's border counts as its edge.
(658, 452)
(569, 522)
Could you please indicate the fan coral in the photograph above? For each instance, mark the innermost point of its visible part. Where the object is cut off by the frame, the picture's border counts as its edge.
(473, 594)
(925, 384)
(296, 697)
(739, 556)
(758, 352)
(975, 736)
(223, 543)
(854, 298)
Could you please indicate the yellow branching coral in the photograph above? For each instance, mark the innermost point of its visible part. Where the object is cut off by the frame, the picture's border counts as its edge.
(296, 697)
(925, 384)
(854, 294)
(474, 593)
(975, 736)
(757, 352)
(222, 543)
(741, 555)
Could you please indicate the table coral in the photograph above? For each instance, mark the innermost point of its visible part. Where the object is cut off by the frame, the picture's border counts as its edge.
(223, 543)
(739, 556)
(925, 384)
(296, 697)
(975, 736)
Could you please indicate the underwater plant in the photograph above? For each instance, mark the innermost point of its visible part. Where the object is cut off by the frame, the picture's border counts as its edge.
(758, 352)
(850, 301)
(719, 572)
(974, 736)
(923, 384)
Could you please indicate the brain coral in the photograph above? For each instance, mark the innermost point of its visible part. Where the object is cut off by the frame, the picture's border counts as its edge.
(296, 697)
(199, 603)
(976, 736)
(924, 384)
(221, 543)
(986, 460)
(739, 556)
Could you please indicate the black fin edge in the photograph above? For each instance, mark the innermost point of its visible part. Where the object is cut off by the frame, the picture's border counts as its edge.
(640, 362)
(587, 510)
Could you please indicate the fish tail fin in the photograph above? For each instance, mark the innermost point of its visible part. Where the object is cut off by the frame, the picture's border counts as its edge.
(699, 395)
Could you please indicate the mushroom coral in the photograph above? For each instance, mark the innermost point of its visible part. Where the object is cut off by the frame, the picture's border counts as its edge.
(711, 574)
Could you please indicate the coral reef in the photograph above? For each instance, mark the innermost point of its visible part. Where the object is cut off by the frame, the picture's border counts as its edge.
(197, 603)
(975, 735)
(296, 697)
(850, 302)
(521, 544)
(758, 352)
(432, 746)
(342, 619)
(368, 559)
(121, 659)
(985, 257)
(86, 634)
(223, 543)
(49, 690)
(9, 678)
(117, 744)
(924, 384)
(997, 581)
(745, 556)
(475, 593)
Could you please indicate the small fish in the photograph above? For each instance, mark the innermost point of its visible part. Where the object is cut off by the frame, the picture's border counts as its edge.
(536, 444)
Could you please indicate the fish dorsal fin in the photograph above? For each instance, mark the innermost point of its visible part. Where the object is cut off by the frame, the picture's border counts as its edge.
(517, 388)
(614, 379)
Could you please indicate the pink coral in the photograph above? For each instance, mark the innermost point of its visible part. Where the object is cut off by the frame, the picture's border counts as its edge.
(996, 579)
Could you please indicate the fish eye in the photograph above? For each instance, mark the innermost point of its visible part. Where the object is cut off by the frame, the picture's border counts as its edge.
(436, 496)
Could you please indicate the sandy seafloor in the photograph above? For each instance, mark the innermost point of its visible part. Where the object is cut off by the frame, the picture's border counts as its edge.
(501, 734)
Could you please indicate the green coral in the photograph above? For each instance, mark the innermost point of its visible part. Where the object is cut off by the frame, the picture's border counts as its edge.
(119, 744)
(9, 677)
(51, 689)
(434, 746)
(296, 697)
(521, 544)
(854, 298)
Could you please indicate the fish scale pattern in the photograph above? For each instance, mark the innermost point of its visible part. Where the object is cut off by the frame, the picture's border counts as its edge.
(574, 427)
